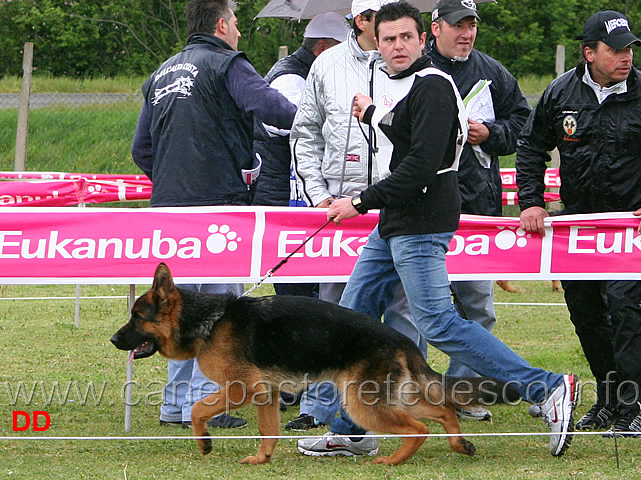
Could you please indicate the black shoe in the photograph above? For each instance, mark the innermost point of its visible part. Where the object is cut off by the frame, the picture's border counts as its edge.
(599, 417)
(222, 421)
(302, 423)
(628, 425)
(166, 423)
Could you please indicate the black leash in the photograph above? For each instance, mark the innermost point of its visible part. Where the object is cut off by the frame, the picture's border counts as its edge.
(271, 271)
(458, 303)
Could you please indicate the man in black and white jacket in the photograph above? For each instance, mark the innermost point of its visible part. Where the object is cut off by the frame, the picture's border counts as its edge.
(424, 121)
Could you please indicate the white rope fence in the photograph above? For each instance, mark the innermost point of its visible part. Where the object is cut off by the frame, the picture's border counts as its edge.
(117, 297)
(299, 437)
(97, 297)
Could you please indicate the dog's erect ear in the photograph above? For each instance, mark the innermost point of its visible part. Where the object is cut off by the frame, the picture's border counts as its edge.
(163, 284)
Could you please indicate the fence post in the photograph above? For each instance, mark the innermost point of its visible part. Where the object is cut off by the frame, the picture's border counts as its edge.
(130, 369)
(560, 60)
(556, 158)
(23, 110)
(282, 51)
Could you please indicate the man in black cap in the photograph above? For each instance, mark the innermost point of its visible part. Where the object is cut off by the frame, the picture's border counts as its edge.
(493, 131)
(592, 114)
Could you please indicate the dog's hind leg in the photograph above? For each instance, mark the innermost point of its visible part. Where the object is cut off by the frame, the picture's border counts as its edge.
(268, 416)
(446, 416)
(230, 397)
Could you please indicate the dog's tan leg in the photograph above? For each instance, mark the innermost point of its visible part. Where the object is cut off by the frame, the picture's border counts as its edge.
(396, 422)
(213, 405)
(447, 418)
(556, 286)
(268, 416)
(410, 444)
(508, 287)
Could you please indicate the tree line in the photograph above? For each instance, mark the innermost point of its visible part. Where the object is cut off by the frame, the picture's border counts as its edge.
(90, 38)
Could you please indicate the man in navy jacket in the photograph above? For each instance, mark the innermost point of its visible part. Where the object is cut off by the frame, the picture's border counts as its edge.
(193, 140)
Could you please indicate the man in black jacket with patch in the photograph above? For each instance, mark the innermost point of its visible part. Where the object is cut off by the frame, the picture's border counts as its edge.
(592, 114)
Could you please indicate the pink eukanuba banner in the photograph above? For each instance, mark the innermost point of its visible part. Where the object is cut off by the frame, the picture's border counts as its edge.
(241, 244)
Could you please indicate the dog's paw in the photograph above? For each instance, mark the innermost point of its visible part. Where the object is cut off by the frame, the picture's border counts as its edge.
(385, 461)
(255, 460)
(508, 287)
(468, 447)
(205, 445)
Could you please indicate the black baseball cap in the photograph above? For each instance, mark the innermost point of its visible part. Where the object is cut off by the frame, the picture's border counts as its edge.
(609, 27)
(454, 10)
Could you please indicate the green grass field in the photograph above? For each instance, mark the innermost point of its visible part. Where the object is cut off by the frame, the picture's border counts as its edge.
(42, 351)
(97, 138)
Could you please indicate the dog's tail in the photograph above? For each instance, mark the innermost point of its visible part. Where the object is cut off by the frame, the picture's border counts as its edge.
(463, 391)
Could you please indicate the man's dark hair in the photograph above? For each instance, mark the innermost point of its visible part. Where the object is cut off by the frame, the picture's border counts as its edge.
(391, 12)
(367, 15)
(202, 15)
(583, 62)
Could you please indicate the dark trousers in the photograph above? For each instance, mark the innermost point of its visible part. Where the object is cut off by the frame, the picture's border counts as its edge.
(607, 318)
(297, 289)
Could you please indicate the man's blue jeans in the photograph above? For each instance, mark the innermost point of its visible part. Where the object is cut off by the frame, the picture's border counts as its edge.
(477, 302)
(418, 261)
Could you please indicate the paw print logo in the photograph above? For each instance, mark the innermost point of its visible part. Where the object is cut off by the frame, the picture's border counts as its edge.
(222, 238)
(511, 237)
(94, 189)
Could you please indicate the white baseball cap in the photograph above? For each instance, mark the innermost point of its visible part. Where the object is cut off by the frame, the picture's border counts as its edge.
(360, 6)
(328, 25)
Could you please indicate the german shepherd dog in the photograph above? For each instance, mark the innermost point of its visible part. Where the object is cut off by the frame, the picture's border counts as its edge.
(254, 346)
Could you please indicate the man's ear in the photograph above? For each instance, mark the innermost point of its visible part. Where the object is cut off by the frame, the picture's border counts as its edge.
(321, 46)
(588, 53)
(360, 21)
(436, 29)
(221, 26)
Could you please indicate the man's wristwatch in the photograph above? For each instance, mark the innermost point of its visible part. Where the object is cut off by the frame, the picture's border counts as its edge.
(357, 203)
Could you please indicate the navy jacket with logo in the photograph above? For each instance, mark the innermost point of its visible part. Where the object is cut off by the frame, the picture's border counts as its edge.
(195, 131)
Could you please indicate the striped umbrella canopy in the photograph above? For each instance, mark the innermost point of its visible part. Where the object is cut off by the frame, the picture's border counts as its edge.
(305, 9)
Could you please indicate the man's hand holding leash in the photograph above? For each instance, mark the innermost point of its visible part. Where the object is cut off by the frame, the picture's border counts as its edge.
(361, 103)
(341, 209)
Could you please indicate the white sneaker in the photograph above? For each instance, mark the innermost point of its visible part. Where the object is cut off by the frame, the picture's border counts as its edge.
(557, 414)
(474, 413)
(329, 445)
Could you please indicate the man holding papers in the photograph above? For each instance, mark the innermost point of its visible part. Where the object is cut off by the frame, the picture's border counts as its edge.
(497, 111)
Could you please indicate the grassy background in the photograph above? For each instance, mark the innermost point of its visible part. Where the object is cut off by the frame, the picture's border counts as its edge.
(97, 138)
(529, 84)
(40, 344)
